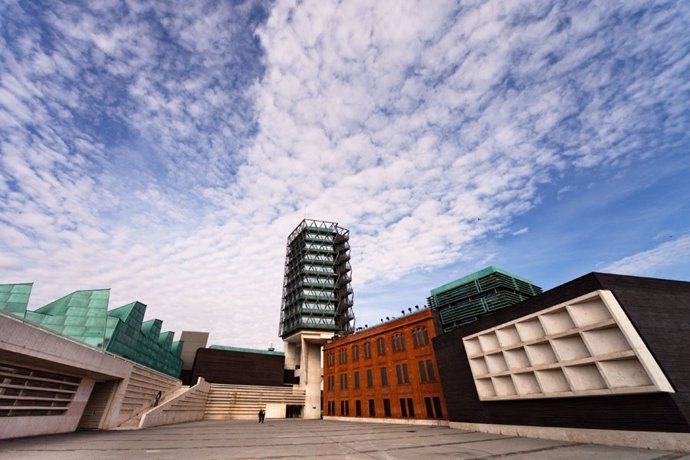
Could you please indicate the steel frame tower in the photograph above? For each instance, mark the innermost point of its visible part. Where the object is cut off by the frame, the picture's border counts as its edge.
(317, 294)
(317, 301)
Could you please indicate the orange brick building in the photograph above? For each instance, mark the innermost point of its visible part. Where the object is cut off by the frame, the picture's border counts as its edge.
(387, 371)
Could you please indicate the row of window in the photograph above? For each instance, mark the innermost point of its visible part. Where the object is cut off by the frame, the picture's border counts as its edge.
(402, 374)
(420, 338)
(432, 405)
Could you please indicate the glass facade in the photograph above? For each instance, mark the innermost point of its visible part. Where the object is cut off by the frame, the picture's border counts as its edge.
(83, 316)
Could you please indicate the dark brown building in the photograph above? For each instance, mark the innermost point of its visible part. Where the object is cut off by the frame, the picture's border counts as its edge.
(600, 352)
(239, 366)
(385, 371)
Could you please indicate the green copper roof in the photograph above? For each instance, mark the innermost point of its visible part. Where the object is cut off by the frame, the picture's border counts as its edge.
(475, 276)
(14, 298)
(84, 316)
(247, 350)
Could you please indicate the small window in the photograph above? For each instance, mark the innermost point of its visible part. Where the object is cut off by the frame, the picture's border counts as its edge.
(398, 342)
(410, 407)
(422, 371)
(384, 377)
(430, 371)
(342, 359)
(358, 408)
(372, 408)
(402, 374)
(355, 353)
(429, 408)
(437, 407)
(381, 346)
(386, 407)
(343, 381)
(403, 407)
(367, 350)
(370, 378)
(356, 379)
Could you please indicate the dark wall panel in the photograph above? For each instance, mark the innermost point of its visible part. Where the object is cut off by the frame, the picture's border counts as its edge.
(241, 368)
(659, 310)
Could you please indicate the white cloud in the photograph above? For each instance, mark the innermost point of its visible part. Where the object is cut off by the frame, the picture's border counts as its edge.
(159, 158)
(648, 262)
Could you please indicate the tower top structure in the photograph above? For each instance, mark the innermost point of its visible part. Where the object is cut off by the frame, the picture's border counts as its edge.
(317, 294)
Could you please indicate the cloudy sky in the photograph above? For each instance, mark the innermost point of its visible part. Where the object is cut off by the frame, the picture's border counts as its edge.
(167, 149)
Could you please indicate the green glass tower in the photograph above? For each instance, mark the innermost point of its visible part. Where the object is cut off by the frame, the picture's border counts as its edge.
(478, 294)
(317, 294)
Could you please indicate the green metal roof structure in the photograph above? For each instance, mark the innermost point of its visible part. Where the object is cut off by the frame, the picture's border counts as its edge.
(83, 316)
(14, 298)
(478, 294)
(317, 294)
(247, 350)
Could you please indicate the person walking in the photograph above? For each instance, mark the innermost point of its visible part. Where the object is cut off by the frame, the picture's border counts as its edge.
(261, 416)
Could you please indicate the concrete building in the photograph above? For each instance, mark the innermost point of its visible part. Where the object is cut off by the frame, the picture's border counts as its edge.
(316, 303)
(386, 372)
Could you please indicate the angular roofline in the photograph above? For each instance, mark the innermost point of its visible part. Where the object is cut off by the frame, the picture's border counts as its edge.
(475, 276)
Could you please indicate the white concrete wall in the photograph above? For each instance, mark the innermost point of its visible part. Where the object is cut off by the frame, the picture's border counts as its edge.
(32, 347)
(188, 406)
(15, 427)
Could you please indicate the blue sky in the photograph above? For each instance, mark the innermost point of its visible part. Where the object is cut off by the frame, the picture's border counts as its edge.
(167, 149)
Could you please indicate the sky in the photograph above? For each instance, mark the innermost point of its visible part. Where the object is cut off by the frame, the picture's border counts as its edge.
(166, 150)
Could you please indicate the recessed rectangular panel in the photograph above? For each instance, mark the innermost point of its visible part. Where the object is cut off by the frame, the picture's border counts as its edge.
(540, 354)
(530, 330)
(526, 383)
(507, 336)
(496, 363)
(552, 381)
(625, 373)
(585, 377)
(516, 358)
(556, 322)
(570, 348)
(589, 312)
(606, 341)
(488, 342)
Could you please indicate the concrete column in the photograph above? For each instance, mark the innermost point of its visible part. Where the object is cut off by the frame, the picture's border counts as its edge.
(311, 376)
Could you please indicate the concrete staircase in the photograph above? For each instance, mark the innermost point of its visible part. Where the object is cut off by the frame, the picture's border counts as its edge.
(244, 401)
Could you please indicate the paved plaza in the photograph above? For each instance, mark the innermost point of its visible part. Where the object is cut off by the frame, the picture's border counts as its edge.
(285, 439)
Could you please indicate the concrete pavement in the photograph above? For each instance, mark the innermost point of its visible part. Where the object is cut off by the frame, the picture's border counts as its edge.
(285, 439)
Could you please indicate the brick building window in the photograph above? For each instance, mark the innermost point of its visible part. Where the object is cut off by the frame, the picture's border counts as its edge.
(367, 349)
(437, 407)
(384, 377)
(330, 383)
(386, 407)
(345, 408)
(355, 353)
(358, 408)
(398, 342)
(372, 408)
(343, 381)
(402, 373)
(370, 378)
(420, 337)
(356, 379)
(342, 356)
(330, 359)
(381, 346)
